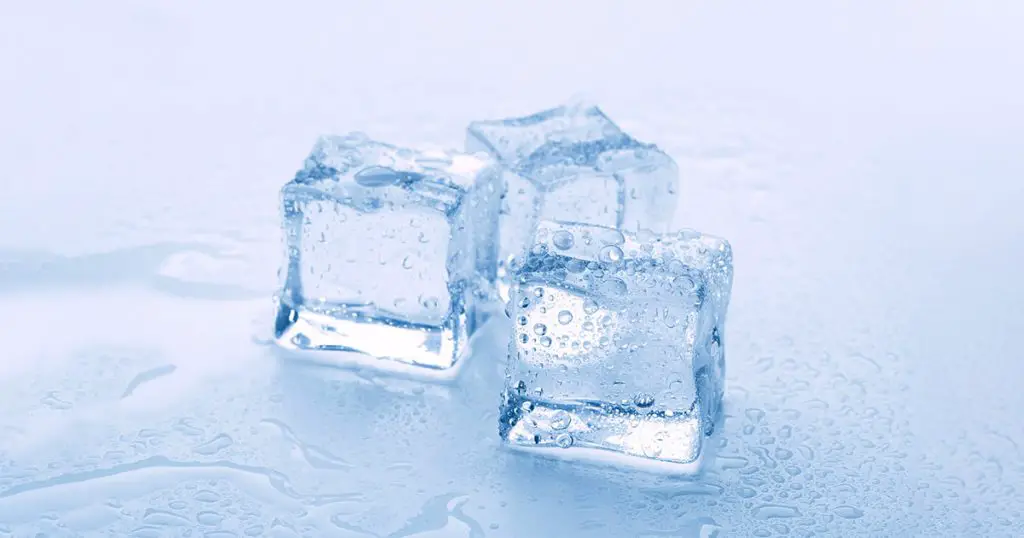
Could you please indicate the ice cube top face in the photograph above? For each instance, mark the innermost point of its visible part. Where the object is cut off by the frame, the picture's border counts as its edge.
(389, 250)
(516, 139)
(573, 163)
(618, 342)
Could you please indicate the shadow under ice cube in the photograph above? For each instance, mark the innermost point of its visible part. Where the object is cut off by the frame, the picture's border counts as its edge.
(617, 346)
(390, 252)
(572, 163)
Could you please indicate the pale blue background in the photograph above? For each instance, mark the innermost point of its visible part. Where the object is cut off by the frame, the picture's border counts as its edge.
(866, 160)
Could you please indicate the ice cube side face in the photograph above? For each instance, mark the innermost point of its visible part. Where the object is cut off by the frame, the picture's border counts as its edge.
(573, 163)
(391, 253)
(617, 347)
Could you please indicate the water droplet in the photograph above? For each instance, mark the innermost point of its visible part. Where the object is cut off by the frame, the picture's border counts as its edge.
(430, 303)
(686, 284)
(524, 302)
(540, 329)
(545, 341)
(163, 518)
(563, 240)
(206, 496)
(848, 512)
(524, 338)
(522, 320)
(564, 440)
(643, 400)
(610, 254)
(590, 306)
(538, 293)
(211, 519)
(521, 387)
(525, 406)
(564, 317)
(407, 262)
(769, 511)
(560, 420)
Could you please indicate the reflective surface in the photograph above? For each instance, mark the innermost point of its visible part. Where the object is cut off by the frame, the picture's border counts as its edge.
(864, 164)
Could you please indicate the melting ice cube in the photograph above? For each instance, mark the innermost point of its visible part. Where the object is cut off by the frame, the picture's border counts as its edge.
(390, 251)
(617, 346)
(572, 163)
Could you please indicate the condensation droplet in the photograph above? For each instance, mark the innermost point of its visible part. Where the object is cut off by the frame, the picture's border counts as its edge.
(560, 420)
(643, 400)
(610, 254)
(848, 512)
(564, 317)
(563, 240)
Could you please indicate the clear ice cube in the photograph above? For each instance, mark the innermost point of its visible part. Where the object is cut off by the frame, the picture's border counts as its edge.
(617, 346)
(391, 252)
(573, 163)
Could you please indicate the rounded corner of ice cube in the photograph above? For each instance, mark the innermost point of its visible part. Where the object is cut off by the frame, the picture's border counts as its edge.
(660, 158)
(331, 142)
(580, 102)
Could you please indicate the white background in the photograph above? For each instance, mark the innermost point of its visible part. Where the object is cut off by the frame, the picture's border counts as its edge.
(866, 161)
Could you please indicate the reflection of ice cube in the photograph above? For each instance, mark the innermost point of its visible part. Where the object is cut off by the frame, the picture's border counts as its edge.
(617, 342)
(572, 163)
(390, 251)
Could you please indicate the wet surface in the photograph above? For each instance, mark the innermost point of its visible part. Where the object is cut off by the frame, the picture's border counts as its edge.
(872, 201)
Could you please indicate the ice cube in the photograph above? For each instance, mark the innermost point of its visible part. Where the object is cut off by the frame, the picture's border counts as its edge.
(573, 163)
(617, 346)
(391, 252)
